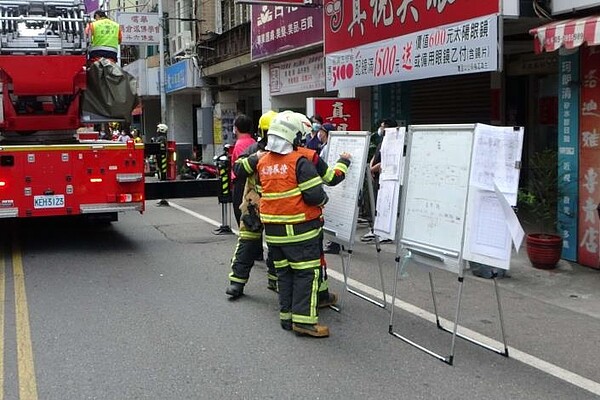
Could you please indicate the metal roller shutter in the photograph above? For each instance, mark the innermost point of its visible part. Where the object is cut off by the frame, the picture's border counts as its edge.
(451, 100)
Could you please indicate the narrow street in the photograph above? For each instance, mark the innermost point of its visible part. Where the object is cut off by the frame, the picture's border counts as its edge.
(137, 309)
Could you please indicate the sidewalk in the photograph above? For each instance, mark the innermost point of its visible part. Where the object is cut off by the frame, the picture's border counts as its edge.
(569, 285)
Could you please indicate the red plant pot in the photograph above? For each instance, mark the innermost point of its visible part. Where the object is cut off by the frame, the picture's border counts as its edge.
(544, 250)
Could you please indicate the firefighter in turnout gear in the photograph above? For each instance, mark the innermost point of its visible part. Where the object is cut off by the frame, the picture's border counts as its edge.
(161, 162)
(244, 256)
(291, 201)
(249, 246)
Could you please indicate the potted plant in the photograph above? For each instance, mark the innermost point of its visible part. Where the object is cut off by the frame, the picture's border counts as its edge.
(538, 201)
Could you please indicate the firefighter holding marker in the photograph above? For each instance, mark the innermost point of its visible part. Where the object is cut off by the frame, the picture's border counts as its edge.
(249, 247)
(292, 198)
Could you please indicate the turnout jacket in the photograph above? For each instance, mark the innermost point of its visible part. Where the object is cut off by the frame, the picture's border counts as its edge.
(245, 167)
(292, 197)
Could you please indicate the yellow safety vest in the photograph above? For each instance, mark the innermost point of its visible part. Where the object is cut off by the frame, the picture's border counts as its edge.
(105, 35)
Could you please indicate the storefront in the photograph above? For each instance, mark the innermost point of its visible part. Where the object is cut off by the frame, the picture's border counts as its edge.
(578, 95)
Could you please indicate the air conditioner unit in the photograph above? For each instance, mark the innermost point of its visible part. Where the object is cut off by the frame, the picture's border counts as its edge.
(181, 42)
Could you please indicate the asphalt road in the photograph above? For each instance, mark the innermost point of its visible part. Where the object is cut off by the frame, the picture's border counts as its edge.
(137, 310)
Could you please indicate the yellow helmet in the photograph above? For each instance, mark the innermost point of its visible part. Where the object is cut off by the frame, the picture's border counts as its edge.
(265, 122)
(286, 125)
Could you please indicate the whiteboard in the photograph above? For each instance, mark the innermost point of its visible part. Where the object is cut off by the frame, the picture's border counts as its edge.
(341, 211)
(435, 190)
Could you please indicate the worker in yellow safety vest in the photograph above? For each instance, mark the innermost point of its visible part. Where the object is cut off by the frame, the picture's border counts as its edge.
(105, 37)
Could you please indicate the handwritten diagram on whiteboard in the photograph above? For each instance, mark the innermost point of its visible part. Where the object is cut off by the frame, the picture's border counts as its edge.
(341, 211)
(436, 186)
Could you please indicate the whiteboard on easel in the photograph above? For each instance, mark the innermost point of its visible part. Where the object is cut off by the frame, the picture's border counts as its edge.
(459, 183)
(341, 211)
(390, 181)
(434, 196)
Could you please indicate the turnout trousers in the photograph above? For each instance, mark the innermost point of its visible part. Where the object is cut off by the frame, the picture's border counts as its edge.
(298, 272)
(248, 249)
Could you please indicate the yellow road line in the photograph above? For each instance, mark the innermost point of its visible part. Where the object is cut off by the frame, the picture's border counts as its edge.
(2, 299)
(27, 384)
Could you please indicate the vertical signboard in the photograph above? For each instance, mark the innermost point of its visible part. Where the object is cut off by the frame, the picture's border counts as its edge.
(568, 152)
(344, 113)
(276, 29)
(589, 161)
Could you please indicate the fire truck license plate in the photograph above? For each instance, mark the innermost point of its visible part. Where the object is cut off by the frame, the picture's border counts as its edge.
(51, 201)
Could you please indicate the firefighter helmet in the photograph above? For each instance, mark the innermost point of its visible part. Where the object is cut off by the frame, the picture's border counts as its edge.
(305, 123)
(286, 125)
(162, 128)
(265, 122)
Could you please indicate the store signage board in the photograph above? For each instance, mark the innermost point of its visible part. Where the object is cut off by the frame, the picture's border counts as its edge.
(297, 75)
(277, 29)
(462, 48)
(354, 23)
(344, 113)
(140, 28)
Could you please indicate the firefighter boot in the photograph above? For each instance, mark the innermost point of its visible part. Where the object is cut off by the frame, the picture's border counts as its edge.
(314, 330)
(329, 299)
(286, 324)
(272, 285)
(235, 290)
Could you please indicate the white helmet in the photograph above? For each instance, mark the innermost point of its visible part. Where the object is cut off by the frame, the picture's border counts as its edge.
(286, 125)
(162, 128)
(305, 122)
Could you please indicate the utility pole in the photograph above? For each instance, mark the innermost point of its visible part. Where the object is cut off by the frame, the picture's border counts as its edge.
(161, 74)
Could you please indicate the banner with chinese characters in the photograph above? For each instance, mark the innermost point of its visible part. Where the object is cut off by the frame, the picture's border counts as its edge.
(354, 23)
(140, 28)
(463, 48)
(344, 113)
(297, 75)
(568, 152)
(279, 29)
(589, 158)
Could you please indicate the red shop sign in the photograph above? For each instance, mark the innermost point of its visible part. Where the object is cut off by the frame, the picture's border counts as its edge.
(344, 113)
(589, 159)
(352, 23)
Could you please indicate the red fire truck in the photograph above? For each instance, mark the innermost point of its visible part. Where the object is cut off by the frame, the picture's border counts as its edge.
(46, 167)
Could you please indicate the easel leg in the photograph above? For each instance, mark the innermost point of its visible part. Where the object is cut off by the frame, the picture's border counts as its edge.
(378, 246)
(456, 318)
(505, 354)
(455, 332)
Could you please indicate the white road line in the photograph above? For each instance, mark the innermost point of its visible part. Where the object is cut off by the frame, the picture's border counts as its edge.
(525, 358)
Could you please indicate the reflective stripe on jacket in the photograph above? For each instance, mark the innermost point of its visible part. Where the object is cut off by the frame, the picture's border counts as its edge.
(282, 201)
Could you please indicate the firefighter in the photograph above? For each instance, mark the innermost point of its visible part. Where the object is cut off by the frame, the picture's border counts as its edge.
(244, 257)
(249, 246)
(161, 164)
(291, 202)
